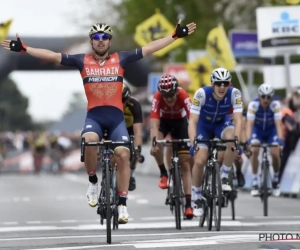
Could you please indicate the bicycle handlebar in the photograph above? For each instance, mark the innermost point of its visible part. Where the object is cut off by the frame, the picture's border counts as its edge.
(171, 141)
(104, 143)
(216, 141)
(264, 145)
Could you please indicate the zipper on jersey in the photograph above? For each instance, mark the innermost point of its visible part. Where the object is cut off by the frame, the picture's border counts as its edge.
(264, 120)
(216, 112)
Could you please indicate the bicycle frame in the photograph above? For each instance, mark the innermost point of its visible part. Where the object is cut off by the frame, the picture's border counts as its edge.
(175, 195)
(212, 187)
(266, 176)
(107, 205)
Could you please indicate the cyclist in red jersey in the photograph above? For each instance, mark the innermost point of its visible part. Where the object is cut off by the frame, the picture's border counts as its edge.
(169, 114)
(102, 74)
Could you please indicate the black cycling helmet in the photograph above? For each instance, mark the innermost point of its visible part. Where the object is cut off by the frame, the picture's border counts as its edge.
(126, 93)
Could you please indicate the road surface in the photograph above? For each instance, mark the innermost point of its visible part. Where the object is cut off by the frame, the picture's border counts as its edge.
(51, 212)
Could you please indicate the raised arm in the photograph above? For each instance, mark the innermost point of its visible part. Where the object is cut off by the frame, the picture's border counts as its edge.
(179, 32)
(19, 46)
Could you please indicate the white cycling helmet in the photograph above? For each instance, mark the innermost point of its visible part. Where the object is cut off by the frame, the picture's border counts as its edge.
(100, 28)
(266, 89)
(220, 75)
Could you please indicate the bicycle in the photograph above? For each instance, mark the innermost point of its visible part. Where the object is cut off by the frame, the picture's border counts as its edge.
(175, 195)
(212, 193)
(265, 189)
(108, 198)
(232, 195)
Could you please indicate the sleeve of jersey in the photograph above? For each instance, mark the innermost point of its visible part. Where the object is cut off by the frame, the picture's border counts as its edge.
(137, 113)
(187, 103)
(76, 61)
(276, 108)
(155, 108)
(252, 108)
(130, 56)
(198, 101)
(236, 101)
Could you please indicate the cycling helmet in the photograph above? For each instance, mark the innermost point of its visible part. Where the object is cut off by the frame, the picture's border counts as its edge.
(167, 84)
(266, 89)
(220, 75)
(101, 28)
(126, 93)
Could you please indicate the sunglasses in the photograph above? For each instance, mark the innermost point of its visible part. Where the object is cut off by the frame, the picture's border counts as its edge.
(219, 84)
(98, 36)
(168, 95)
(265, 97)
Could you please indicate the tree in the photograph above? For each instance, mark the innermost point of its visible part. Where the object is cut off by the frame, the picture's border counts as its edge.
(13, 108)
(76, 102)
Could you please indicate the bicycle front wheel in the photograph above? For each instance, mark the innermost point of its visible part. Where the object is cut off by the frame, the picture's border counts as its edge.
(176, 194)
(265, 192)
(108, 208)
(217, 196)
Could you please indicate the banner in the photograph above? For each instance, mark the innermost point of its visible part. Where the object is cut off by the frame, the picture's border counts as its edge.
(199, 72)
(4, 29)
(218, 47)
(153, 28)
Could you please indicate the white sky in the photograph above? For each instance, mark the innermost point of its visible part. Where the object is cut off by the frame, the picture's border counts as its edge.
(49, 92)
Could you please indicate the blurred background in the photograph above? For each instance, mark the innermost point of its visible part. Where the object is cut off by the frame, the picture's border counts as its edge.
(42, 106)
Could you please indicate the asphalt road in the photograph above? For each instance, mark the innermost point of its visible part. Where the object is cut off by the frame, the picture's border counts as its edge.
(51, 212)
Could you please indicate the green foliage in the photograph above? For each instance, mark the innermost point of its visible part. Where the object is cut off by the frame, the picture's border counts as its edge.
(13, 108)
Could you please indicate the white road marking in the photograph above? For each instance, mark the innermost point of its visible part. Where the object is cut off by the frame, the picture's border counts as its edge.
(68, 221)
(236, 233)
(182, 242)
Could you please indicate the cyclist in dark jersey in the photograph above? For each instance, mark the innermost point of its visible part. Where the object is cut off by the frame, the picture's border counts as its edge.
(133, 115)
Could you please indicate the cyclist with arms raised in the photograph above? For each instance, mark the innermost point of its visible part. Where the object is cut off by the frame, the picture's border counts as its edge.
(169, 114)
(134, 122)
(209, 117)
(264, 125)
(102, 74)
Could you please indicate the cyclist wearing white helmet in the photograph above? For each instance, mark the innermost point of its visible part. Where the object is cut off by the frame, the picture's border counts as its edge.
(211, 105)
(264, 125)
(102, 76)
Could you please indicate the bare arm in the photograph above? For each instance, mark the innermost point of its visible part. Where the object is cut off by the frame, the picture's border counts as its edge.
(278, 125)
(44, 54)
(164, 42)
(243, 133)
(154, 127)
(192, 129)
(137, 130)
(249, 128)
(237, 117)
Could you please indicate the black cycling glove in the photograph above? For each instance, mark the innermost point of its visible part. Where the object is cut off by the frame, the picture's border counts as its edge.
(17, 46)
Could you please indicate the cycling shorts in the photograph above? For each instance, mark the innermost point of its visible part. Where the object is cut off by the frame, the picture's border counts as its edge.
(259, 136)
(207, 131)
(107, 118)
(178, 128)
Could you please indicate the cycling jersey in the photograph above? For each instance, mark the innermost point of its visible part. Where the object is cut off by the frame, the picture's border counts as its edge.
(212, 111)
(264, 118)
(179, 110)
(264, 128)
(133, 114)
(103, 82)
(213, 114)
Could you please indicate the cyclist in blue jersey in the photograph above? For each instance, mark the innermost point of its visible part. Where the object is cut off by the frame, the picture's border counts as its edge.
(209, 118)
(264, 125)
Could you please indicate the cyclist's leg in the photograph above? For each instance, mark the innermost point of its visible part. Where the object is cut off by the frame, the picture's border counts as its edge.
(181, 132)
(256, 139)
(226, 131)
(200, 159)
(275, 154)
(91, 132)
(158, 155)
(133, 162)
(118, 132)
